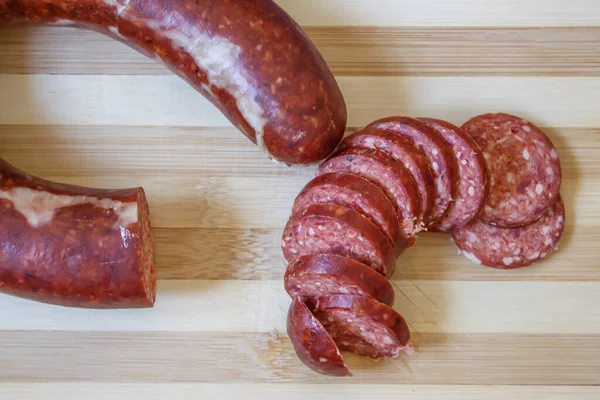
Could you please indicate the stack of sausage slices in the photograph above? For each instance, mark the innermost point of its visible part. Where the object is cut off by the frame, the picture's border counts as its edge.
(492, 184)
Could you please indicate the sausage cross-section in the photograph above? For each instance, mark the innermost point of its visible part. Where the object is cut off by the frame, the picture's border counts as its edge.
(524, 168)
(74, 246)
(362, 325)
(404, 150)
(355, 192)
(509, 248)
(248, 57)
(329, 228)
(473, 184)
(438, 151)
(324, 274)
(388, 174)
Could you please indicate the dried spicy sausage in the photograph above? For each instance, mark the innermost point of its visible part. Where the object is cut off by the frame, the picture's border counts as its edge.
(248, 57)
(74, 246)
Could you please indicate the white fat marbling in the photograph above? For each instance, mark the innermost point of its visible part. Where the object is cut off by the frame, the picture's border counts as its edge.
(39, 207)
(218, 58)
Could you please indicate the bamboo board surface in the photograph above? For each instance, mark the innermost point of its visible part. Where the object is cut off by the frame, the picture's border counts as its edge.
(80, 108)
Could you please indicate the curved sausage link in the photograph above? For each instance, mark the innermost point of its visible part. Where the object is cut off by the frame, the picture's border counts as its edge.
(74, 246)
(248, 57)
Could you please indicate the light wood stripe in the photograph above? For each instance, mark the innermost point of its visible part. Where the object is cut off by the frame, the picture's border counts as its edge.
(261, 306)
(255, 254)
(444, 13)
(363, 51)
(167, 100)
(435, 13)
(492, 359)
(160, 391)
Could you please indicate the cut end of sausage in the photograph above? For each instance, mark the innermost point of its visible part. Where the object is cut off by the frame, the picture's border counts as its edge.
(146, 250)
(325, 274)
(312, 343)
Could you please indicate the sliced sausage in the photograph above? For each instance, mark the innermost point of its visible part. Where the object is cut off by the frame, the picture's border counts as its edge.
(523, 165)
(405, 151)
(355, 192)
(248, 57)
(313, 345)
(362, 325)
(325, 274)
(74, 246)
(508, 248)
(389, 175)
(473, 178)
(329, 228)
(437, 150)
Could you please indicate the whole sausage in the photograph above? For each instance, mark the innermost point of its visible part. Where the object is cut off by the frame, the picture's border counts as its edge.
(74, 246)
(324, 274)
(355, 192)
(248, 57)
(329, 228)
(313, 345)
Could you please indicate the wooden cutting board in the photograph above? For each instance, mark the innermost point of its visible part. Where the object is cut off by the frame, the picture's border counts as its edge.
(79, 108)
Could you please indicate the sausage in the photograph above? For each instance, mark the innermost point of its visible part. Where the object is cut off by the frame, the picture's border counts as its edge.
(524, 168)
(362, 325)
(313, 345)
(355, 192)
(248, 57)
(390, 175)
(404, 150)
(438, 152)
(509, 248)
(325, 274)
(473, 185)
(74, 246)
(329, 228)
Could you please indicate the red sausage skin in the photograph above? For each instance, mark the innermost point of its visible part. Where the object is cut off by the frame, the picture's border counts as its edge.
(248, 57)
(74, 246)
(313, 345)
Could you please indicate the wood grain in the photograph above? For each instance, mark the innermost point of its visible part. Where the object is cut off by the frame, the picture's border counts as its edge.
(169, 101)
(79, 108)
(486, 13)
(429, 306)
(62, 151)
(255, 254)
(348, 50)
(274, 391)
(457, 359)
